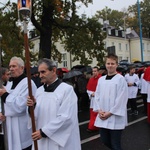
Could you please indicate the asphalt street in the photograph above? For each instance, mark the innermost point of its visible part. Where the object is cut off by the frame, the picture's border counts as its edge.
(136, 135)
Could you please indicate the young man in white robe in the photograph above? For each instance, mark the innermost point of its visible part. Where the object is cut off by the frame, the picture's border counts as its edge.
(55, 111)
(133, 82)
(144, 90)
(111, 98)
(14, 97)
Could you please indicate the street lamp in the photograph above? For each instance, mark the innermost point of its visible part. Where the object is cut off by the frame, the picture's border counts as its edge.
(140, 26)
(24, 9)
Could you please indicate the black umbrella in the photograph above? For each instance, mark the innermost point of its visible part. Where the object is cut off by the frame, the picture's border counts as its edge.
(71, 74)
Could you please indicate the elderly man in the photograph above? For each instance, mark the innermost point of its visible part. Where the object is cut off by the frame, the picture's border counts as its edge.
(14, 96)
(55, 111)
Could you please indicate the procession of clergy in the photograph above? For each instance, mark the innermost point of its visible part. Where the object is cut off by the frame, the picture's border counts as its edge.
(55, 106)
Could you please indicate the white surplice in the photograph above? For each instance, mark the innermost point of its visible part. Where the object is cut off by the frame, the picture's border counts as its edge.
(112, 96)
(143, 85)
(132, 90)
(148, 92)
(18, 134)
(56, 115)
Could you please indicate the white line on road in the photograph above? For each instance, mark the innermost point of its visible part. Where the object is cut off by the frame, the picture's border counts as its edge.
(98, 135)
(85, 122)
(90, 139)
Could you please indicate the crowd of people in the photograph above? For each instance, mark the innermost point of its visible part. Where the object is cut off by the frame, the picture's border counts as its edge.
(106, 94)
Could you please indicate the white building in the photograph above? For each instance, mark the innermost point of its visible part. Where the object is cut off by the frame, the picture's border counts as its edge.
(127, 47)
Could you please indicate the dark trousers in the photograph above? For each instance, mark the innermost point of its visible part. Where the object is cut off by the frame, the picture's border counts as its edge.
(84, 102)
(28, 148)
(111, 138)
(144, 97)
(2, 142)
(133, 105)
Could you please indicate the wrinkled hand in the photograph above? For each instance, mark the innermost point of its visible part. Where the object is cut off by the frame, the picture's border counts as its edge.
(30, 102)
(36, 135)
(2, 117)
(2, 91)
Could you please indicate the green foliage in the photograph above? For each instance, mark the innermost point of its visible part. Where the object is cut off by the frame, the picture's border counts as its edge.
(86, 40)
(12, 43)
(115, 17)
(57, 21)
(133, 20)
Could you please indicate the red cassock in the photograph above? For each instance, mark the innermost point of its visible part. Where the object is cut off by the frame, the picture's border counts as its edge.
(91, 86)
(147, 78)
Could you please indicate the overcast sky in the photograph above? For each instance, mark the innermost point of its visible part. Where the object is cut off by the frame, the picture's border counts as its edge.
(100, 4)
(113, 4)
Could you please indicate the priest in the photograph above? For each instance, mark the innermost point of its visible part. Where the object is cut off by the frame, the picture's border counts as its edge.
(14, 95)
(55, 111)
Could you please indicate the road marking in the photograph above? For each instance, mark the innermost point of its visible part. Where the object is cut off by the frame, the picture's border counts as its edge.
(85, 122)
(138, 120)
(98, 135)
(90, 139)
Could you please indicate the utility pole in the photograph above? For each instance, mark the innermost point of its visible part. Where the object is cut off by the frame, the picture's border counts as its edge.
(140, 27)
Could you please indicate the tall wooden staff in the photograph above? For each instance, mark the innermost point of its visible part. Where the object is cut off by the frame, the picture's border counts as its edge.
(2, 103)
(24, 8)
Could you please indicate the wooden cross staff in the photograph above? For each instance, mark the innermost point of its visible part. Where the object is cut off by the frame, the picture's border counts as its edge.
(27, 55)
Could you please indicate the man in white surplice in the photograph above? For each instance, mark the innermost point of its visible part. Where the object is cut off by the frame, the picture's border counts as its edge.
(111, 99)
(14, 96)
(55, 111)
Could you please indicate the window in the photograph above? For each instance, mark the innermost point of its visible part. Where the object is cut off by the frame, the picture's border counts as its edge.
(119, 46)
(126, 47)
(64, 59)
(119, 58)
(109, 31)
(123, 33)
(116, 32)
(143, 46)
(148, 47)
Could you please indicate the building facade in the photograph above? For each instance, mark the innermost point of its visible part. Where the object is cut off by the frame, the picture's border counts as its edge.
(126, 46)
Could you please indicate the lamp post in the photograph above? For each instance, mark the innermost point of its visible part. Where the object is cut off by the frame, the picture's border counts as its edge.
(140, 26)
(24, 12)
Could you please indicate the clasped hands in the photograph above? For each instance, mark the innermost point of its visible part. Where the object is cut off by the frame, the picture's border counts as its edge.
(104, 115)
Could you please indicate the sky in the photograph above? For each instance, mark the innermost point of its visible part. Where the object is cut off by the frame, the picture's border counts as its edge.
(100, 4)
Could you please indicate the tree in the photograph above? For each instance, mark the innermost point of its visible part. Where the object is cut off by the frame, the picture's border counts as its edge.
(12, 41)
(57, 20)
(115, 17)
(145, 17)
(13, 37)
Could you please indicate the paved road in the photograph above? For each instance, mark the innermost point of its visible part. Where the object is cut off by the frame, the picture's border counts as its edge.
(136, 136)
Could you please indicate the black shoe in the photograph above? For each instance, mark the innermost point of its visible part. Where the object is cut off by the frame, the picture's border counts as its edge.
(90, 131)
(131, 113)
(136, 112)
